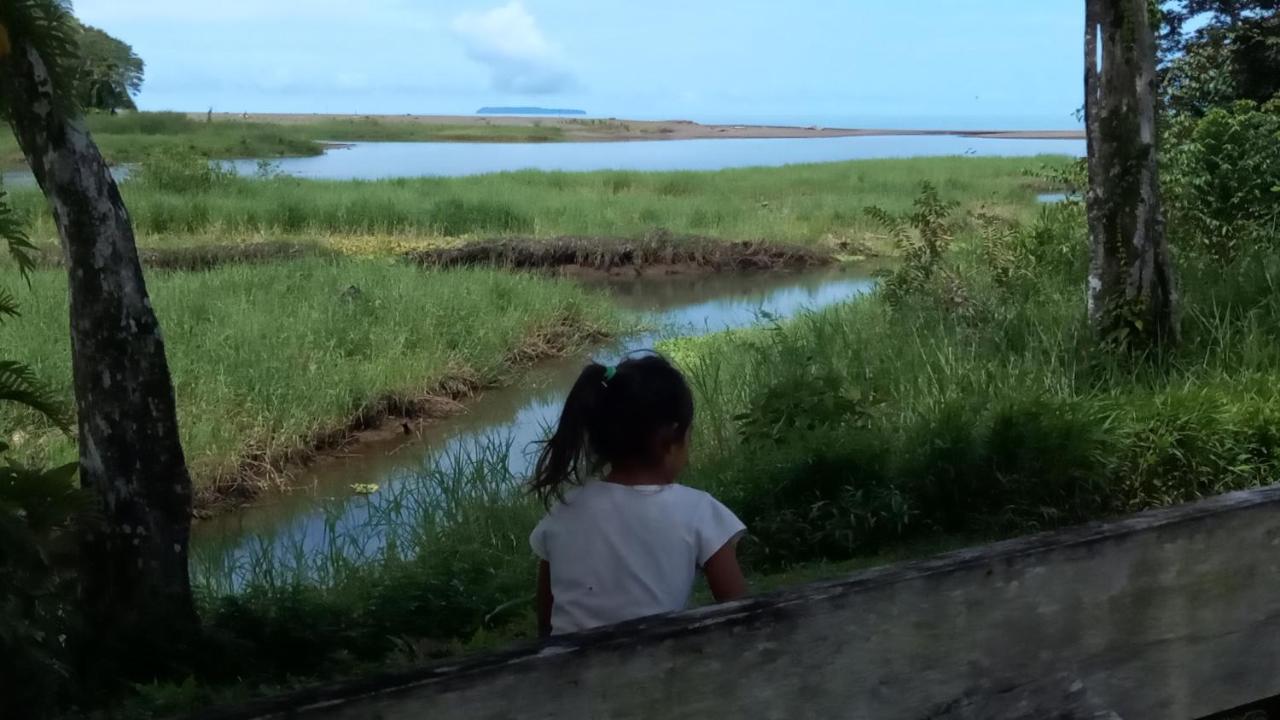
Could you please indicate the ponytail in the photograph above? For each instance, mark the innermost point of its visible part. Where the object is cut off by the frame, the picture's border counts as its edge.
(562, 456)
(613, 416)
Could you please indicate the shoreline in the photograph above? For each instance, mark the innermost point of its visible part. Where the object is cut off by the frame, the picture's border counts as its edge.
(578, 129)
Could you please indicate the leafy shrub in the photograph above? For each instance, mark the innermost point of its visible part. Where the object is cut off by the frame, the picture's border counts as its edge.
(921, 236)
(1222, 176)
(181, 171)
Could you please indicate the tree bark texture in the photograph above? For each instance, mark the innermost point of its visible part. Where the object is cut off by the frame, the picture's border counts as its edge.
(1133, 295)
(136, 587)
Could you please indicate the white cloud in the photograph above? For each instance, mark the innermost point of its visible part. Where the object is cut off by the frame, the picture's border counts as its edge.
(509, 42)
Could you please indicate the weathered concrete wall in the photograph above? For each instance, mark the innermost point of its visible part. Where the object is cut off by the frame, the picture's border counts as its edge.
(1165, 615)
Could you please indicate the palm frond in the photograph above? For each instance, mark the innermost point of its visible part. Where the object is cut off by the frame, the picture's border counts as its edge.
(18, 384)
(49, 27)
(13, 233)
(8, 304)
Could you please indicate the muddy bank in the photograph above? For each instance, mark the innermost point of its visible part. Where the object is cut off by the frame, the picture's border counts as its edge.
(193, 258)
(383, 420)
(658, 253)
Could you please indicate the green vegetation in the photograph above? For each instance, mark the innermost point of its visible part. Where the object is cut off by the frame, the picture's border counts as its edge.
(1222, 179)
(972, 404)
(1217, 52)
(133, 137)
(110, 73)
(270, 361)
(36, 506)
(804, 204)
(976, 403)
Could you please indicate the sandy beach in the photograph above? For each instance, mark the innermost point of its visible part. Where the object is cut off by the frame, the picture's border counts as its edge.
(613, 129)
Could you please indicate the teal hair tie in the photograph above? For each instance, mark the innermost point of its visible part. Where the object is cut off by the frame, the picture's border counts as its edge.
(609, 372)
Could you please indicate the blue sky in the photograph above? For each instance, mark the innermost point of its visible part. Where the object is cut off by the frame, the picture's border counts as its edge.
(707, 59)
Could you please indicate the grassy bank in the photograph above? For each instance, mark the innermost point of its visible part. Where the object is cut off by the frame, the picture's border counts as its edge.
(973, 405)
(818, 205)
(274, 360)
(132, 137)
(978, 402)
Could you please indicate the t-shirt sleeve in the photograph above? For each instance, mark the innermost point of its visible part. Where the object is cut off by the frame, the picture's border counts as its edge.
(538, 539)
(717, 527)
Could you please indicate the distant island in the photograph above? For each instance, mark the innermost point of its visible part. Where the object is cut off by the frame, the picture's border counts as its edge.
(528, 111)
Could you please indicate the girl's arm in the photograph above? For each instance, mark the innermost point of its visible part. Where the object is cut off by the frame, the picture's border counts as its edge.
(724, 576)
(544, 599)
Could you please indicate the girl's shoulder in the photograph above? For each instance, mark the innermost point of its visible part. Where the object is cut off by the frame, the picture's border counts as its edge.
(695, 501)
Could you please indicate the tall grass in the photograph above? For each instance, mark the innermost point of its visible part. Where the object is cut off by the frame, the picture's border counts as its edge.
(983, 408)
(273, 358)
(975, 407)
(131, 137)
(807, 204)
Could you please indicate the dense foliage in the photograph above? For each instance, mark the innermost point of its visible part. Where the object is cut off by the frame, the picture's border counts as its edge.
(110, 73)
(37, 507)
(1231, 52)
(975, 404)
(1222, 180)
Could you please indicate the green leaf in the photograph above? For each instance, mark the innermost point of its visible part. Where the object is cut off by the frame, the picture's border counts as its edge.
(8, 304)
(14, 234)
(18, 384)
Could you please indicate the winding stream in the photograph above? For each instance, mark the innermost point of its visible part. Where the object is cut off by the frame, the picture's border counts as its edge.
(506, 421)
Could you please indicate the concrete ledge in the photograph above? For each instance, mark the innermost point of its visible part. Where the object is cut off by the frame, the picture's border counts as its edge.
(1168, 614)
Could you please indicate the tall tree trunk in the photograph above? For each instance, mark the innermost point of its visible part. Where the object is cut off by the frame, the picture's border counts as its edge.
(1132, 291)
(136, 589)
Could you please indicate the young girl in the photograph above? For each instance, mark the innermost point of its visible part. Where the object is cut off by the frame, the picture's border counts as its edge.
(626, 541)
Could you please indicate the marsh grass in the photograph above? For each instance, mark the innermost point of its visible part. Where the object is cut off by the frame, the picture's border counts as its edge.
(132, 137)
(272, 361)
(816, 205)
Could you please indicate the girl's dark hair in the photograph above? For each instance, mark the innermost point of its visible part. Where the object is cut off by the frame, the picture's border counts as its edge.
(614, 416)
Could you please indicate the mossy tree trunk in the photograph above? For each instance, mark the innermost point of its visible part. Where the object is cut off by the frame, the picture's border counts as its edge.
(1132, 290)
(136, 588)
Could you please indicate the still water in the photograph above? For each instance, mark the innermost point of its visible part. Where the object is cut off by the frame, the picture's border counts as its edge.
(513, 418)
(372, 161)
(379, 160)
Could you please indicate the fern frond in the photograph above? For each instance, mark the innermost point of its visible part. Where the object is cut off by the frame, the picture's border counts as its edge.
(18, 384)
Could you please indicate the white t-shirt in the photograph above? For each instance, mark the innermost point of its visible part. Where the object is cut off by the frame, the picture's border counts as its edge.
(619, 552)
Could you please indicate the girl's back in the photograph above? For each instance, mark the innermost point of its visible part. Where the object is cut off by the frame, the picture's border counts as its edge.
(621, 539)
(618, 552)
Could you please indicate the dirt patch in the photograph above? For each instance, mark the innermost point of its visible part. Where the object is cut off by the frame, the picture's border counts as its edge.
(657, 253)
